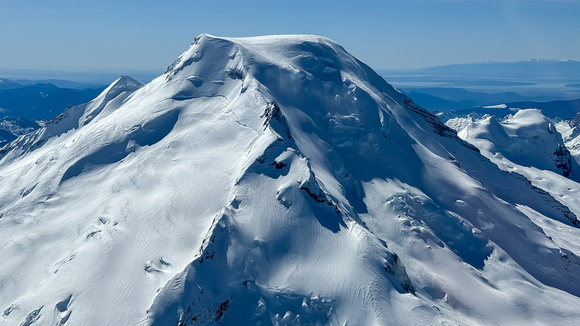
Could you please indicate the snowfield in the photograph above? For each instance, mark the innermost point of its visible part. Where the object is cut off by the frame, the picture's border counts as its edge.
(279, 181)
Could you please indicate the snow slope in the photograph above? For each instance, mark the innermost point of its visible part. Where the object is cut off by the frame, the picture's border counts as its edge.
(525, 138)
(273, 180)
(570, 132)
(528, 144)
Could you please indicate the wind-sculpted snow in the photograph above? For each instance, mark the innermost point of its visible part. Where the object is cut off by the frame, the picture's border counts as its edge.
(274, 180)
(148, 134)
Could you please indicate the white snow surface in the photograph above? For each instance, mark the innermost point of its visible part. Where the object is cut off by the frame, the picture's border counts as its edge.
(279, 181)
(498, 106)
(570, 132)
(526, 138)
(526, 143)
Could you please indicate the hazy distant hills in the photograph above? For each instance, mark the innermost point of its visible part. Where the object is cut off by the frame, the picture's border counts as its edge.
(463, 101)
(533, 69)
(40, 101)
(565, 110)
(61, 83)
(80, 79)
(467, 86)
(22, 102)
(449, 98)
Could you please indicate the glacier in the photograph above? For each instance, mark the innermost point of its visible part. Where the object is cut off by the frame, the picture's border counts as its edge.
(275, 180)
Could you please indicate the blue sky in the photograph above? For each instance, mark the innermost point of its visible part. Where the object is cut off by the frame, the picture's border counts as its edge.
(148, 35)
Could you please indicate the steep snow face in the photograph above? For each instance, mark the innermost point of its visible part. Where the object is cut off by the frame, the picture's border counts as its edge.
(570, 131)
(273, 180)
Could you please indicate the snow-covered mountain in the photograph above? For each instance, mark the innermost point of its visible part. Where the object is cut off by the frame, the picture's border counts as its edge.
(274, 180)
(570, 131)
(526, 143)
(527, 138)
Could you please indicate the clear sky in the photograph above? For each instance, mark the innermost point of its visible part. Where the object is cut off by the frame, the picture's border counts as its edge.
(148, 35)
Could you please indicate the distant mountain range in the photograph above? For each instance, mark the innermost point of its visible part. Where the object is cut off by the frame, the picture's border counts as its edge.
(86, 79)
(40, 101)
(531, 80)
(533, 69)
(565, 110)
(61, 83)
(22, 102)
(452, 98)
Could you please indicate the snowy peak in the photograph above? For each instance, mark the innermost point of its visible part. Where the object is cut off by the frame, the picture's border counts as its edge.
(124, 83)
(274, 180)
(345, 99)
(304, 58)
(112, 96)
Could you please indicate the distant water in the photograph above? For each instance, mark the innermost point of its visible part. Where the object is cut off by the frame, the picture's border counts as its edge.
(540, 89)
(539, 80)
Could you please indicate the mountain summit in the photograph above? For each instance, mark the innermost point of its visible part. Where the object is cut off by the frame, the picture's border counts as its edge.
(273, 180)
